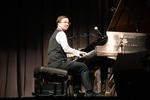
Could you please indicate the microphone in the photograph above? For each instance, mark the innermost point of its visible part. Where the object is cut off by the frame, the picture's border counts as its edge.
(96, 28)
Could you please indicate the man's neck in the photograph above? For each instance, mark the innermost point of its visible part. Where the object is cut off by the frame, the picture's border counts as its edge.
(59, 28)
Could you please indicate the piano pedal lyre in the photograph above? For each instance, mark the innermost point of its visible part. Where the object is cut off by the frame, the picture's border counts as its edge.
(110, 86)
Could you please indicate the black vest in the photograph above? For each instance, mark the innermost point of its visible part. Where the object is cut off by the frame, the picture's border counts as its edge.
(56, 54)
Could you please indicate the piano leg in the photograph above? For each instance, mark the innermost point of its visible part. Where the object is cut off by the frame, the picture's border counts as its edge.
(132, 74)
(97, 81)
(132, 83)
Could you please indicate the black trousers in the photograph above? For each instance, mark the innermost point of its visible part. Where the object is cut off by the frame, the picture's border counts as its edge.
(80, 73)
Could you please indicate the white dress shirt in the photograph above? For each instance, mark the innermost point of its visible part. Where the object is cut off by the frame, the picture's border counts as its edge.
(61, 38)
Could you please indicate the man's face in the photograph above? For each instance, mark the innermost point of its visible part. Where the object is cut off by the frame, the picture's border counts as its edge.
(64, 24)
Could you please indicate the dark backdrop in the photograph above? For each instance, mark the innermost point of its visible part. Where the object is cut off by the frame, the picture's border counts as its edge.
(26, 26)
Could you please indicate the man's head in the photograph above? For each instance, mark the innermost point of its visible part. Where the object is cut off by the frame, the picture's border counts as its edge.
(63, 22)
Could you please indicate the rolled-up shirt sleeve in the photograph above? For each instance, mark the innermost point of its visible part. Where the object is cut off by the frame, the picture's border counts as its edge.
(61, 38)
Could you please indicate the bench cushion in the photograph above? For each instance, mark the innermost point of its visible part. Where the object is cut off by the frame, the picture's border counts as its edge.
(50, 73)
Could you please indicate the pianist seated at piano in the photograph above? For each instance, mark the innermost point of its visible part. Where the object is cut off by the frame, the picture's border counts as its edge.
(58, 49)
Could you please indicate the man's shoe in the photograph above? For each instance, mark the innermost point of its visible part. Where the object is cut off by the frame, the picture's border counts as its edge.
(93, 94)
(79, 94)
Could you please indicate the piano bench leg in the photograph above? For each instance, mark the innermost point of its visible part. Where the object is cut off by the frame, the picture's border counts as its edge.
(69, 87)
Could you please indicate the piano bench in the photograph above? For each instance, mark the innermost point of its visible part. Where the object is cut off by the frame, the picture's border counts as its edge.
(46, 75)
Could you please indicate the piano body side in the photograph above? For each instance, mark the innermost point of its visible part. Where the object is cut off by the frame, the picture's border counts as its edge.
(131, 21)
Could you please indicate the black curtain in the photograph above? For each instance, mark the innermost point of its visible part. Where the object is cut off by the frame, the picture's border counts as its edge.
(26, 26)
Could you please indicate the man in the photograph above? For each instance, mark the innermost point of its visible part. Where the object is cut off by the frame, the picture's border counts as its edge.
(57, 57)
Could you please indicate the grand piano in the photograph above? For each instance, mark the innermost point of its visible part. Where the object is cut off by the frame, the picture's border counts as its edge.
(131, 26)
(126, 48)
(128, 32)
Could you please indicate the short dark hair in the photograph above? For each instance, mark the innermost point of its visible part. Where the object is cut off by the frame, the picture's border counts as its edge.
(60, 18)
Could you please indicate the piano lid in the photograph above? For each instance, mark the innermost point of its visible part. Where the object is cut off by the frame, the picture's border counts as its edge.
(131, 16)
